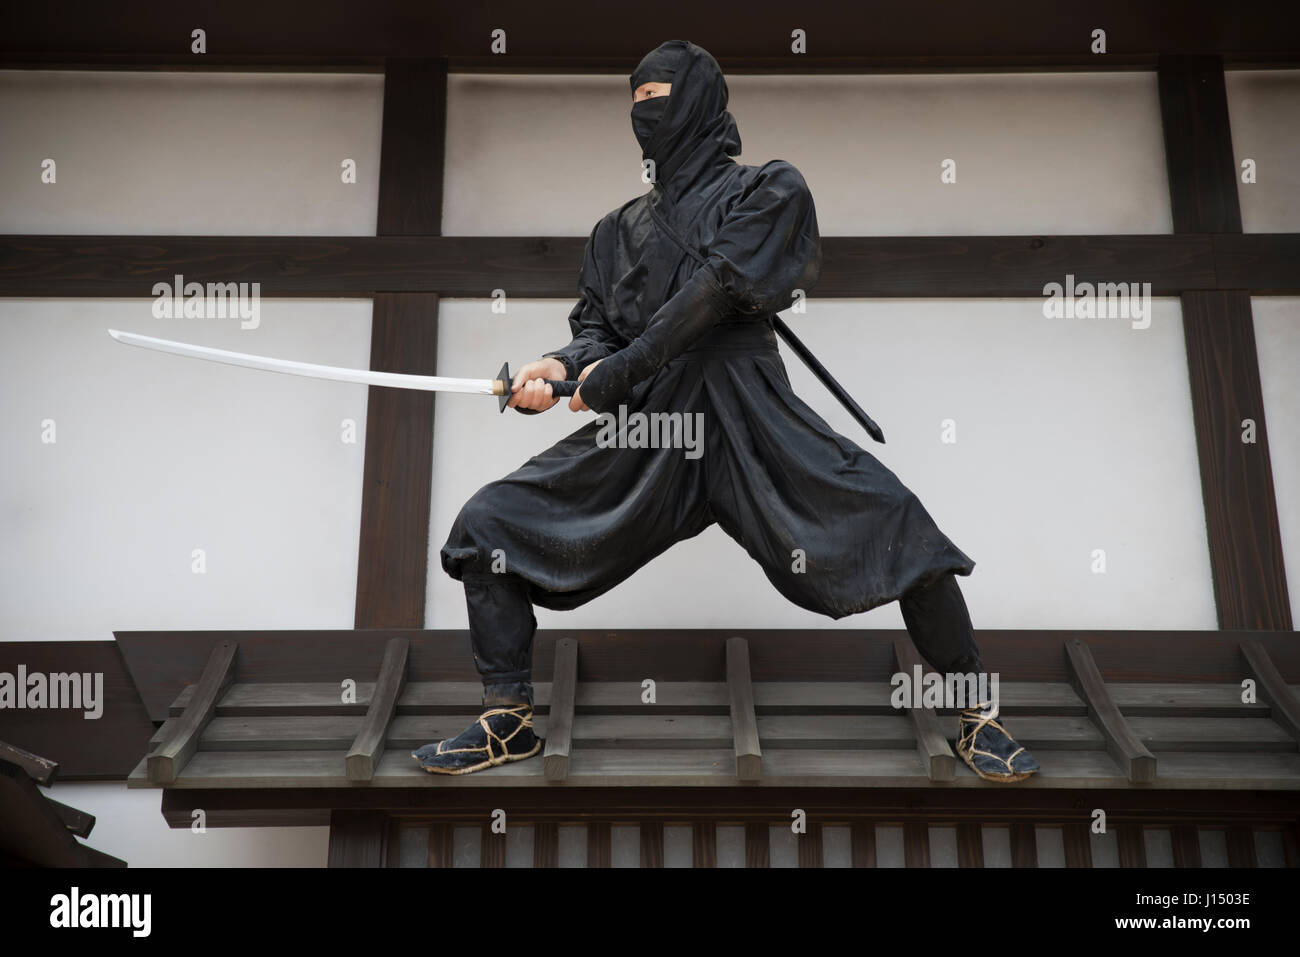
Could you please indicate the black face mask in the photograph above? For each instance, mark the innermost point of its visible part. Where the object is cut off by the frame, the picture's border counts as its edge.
(646, 115)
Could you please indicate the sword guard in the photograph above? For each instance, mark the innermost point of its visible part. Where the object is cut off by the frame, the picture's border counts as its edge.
(503, 382)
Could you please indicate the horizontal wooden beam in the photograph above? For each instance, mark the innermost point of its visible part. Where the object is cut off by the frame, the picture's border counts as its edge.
(853, 266)
(934, 31)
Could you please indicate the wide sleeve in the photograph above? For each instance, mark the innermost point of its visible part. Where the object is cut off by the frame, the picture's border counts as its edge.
(593, 338)
(767, 247)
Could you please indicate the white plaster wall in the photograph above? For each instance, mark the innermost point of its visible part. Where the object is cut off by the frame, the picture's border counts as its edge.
(175, 152)
(1264, 113)
(1034, 152)
(1072, 435)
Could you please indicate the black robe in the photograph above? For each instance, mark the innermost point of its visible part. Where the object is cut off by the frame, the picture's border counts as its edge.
(834, 530)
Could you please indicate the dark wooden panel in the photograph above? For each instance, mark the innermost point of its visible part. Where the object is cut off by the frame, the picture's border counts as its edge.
(863, 837)
(358, 838)
(441, 844)
(546, 844)
(1250, 588)
(393, 845)
(41, 770)
(704, 844)
(1132, 845)
(1198, 144)
(358, 266)
(1241, 847)
(1076, 839)
(78, 822)
(599, 848)
(1187, 846)
(758, 844)
(162, 662)
(412, 151)
(810, 845)
(34, 832)
(930, 32)
(916, 844)
(492, 849)
(970, 844)
(393, 557)
(652, 844)
(1024, 844)
(104, 748)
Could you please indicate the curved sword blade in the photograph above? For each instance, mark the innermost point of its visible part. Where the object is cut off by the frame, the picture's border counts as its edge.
(394, 380)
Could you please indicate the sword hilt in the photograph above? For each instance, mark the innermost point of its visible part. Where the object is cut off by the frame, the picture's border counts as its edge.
(501, 387)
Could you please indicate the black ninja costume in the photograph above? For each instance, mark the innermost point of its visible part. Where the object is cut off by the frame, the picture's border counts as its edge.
(834, 530)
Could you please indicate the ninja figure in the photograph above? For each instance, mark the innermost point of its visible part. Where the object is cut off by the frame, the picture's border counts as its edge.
(658, 330)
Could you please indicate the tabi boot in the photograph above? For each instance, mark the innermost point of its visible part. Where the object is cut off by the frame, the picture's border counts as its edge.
(986, 747)
(501, 734)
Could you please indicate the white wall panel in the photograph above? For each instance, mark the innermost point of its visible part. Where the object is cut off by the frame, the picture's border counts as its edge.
(1277, 339)
(1264, 113)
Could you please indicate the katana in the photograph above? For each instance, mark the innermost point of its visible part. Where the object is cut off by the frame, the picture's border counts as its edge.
(499, 387)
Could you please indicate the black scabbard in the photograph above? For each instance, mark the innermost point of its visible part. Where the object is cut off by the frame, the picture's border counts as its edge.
(826, 379)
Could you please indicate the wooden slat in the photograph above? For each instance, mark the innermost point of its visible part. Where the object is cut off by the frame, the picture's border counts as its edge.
(1272, 687)
(810, 846)
(441, 846)
(546, 844)
(1198, 146)
(41, 770)
(1132, 845)
(170, 757)
(393, 843)
(358, 838)
(1186, 845)
(652, 844)
(492, 848)
(704, 844)
(931, 743)
(1024, 844)
(559, 724)
(368, 746)
(758, 841)
(1121, 743)
(599, 847)
(970, 844)
(744, 726)
(916, 844)
(1241, 847)
(1077, 842)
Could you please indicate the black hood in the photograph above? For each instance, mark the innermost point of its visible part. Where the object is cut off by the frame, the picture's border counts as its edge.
(696, 131)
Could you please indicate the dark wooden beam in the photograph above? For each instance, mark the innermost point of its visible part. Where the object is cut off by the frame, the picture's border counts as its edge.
(393, 560)
(543, 266)
(1272, 687)
(1024, 844)
(652, 844)
(931, 743)
(704, 844)
(1130, 754)
(1250, 589)
(916, 844)
(1236, 476)
(161, 663)
(599, 848)
(932, 31)
(758, 840)
(358, 838)
(970, 844)
(441, 847)
(744, 724)
(546, 845)
(41, 770)
(1186, 842)
(559, 722)
(171, 755)
(368, 746)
